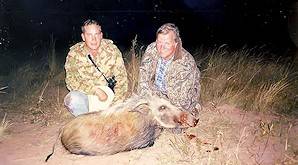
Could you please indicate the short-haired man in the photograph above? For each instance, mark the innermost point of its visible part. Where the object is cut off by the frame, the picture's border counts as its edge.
(87, 81)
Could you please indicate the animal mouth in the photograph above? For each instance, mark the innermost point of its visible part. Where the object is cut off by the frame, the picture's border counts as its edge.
(183, 120)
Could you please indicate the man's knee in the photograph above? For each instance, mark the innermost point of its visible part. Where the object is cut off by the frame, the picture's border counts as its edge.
(76, 102)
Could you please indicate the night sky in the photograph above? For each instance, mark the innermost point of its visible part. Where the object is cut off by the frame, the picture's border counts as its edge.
(25, 23)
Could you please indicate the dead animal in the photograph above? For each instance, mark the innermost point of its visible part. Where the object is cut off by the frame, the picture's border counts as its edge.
(133, 124)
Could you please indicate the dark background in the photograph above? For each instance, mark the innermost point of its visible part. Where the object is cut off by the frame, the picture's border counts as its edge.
(28, 24)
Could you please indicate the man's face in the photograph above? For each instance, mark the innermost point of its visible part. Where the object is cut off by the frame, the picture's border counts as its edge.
(92, 36)
(166, 45)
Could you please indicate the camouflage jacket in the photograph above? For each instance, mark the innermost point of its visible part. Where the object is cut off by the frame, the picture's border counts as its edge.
(182, 79)
(82, 75)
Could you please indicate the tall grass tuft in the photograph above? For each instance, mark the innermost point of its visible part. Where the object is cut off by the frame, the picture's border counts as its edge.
(4, 126)
(30, 77)
(244, 79)
(2, 88)
(26, 79)
(52, 60)
(133, 66)
(266, 96)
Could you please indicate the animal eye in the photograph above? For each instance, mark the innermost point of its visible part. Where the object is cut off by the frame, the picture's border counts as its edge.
(163, 107)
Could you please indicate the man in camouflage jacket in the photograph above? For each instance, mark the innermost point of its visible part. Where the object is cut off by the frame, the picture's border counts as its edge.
(83, 79)
(169, 71)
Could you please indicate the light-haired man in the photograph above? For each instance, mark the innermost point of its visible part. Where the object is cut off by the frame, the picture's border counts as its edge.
(89, 66)
(169, 71)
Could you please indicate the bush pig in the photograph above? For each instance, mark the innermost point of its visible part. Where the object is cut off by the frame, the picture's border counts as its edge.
(133, 124)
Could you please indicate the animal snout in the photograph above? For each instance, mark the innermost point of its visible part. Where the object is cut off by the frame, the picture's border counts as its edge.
(190, 120)
(186, 120)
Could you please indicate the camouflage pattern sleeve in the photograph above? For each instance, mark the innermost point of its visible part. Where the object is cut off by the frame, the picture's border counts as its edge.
(73, 66)
(70, 69)
(183, 85)
(121, 77)
(146, 69)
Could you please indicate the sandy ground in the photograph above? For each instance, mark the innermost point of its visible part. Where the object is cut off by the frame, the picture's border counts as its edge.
(224, 135)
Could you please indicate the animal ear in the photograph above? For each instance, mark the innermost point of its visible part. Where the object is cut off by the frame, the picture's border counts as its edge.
(141, 107)
(140, 101)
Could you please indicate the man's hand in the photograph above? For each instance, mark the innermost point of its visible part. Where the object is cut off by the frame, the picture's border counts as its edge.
(102, 96)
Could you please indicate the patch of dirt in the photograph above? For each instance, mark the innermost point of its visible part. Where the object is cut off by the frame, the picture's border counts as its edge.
(224, 135)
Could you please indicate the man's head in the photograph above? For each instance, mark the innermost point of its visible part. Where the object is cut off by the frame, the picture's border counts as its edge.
(168, 40)
(91, 34)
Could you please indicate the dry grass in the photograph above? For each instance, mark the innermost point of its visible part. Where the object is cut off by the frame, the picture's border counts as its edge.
(52, 59)
(244, 79)
(238, 78)
(133, 67)
(3, 127)
(241, 78)
(36, 87)
(2, 88)
(267, 94)
(28, 79)
(25, 80)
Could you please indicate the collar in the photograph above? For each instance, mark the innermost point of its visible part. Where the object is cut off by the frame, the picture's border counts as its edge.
(167, 61)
